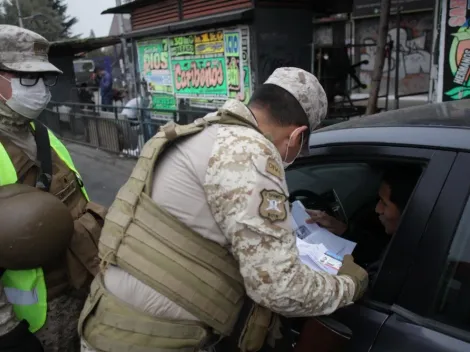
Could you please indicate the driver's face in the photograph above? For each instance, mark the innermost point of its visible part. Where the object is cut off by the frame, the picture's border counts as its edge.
(388, 212)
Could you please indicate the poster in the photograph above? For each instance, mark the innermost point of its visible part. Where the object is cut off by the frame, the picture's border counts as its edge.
(210, 43)
(234, 63)
(456, 82)
(154, 65)
(206, 68)
(200, 77)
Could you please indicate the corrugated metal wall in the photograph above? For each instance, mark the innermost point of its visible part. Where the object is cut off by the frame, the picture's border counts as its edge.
(167, 11)
(284, 3)
(161, 12)
(199, 8)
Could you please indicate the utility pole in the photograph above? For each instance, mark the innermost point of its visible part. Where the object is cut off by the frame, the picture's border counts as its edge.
(20, 17)
(127, 68)
(379, 58)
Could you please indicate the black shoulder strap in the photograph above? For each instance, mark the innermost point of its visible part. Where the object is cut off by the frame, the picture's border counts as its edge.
(44, 156)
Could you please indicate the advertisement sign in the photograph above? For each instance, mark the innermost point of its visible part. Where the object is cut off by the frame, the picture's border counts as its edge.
(154, 65)
(206, 68)
(456, 82)
(200, 77)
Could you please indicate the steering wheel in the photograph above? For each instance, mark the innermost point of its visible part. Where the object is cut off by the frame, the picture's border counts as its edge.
(311, 200)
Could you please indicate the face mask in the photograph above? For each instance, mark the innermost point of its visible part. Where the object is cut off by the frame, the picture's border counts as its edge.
(284, 162)
(27, 101)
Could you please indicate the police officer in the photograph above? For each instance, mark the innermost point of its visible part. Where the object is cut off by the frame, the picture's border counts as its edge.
(198, 245)
(49, 229)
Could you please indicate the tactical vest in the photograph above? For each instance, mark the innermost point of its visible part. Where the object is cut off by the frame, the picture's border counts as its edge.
(26, 289)
(152, 245)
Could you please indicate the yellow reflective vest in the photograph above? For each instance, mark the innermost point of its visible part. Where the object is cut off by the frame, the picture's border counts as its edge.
(26, 289)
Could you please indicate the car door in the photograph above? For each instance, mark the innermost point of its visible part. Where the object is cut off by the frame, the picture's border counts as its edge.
(432, 313)
(365, 318)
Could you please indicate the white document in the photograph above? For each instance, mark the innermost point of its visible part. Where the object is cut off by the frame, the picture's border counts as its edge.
(320, 249)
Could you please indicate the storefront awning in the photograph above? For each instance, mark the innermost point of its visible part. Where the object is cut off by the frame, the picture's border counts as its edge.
(237, 16)
(74, 46)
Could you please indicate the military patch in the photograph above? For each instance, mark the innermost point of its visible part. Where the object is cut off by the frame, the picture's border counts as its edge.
(273, 205)
(273, 168)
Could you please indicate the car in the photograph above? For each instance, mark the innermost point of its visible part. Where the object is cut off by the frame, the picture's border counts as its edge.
(419, 300)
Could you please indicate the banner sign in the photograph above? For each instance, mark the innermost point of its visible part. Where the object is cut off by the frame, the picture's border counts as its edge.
(456, 81)
(206, 68)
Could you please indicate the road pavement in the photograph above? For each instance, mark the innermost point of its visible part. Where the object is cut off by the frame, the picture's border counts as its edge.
(103, 173)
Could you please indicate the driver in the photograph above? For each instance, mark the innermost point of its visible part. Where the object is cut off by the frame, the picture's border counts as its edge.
(396, 188)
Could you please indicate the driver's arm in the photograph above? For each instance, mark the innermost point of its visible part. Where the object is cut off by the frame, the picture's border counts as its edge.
(247, 193)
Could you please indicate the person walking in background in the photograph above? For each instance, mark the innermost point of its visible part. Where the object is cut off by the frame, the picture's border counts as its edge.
(106, 88)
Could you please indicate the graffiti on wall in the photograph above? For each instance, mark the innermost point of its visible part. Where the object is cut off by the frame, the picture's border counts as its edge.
(203, 68)
(456, 82)
(414, 58)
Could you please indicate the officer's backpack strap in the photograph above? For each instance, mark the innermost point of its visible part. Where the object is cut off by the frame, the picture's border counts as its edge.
(44, 155)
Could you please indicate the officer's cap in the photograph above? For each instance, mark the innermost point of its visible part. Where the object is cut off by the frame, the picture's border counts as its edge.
(305, 87)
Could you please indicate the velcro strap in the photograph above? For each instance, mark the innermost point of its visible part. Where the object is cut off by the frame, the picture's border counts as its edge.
(170, 130)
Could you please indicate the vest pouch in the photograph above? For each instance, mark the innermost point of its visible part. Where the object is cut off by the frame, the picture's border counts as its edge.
(82, 256)
(256, 329)
(107, 324)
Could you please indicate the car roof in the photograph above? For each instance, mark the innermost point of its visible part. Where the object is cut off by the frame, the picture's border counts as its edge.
(440, 125)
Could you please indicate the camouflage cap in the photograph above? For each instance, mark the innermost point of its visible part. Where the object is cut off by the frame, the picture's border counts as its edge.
(22, 50)
(305, 87)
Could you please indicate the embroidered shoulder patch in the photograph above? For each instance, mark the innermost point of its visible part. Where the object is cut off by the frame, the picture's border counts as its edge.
(273, 205)
(273, 168)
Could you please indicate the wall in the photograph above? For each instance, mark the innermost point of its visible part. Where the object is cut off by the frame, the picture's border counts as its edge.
(283, 38)
(199, 70)
(65, 90)
(414, 62)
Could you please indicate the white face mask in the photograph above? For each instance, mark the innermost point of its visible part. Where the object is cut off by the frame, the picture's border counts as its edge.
(27, 101)
(284, 162)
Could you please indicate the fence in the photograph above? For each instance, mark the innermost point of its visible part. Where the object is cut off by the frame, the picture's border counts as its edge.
(108, 127)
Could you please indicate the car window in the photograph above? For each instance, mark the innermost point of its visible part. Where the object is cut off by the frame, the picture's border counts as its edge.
(354, 183)
(453, 301)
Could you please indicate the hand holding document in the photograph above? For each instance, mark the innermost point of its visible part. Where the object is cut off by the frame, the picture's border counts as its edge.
(318, 248)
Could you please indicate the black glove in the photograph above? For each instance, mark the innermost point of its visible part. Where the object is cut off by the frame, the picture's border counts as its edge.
(20, 339)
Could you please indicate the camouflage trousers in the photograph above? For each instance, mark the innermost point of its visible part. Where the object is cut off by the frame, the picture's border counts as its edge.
(60, 334)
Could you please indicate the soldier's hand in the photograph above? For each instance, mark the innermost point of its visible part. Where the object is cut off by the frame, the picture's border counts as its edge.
(355, 272)
(20, 339)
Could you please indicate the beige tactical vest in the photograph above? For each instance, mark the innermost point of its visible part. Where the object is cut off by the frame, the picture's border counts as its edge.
(197, 274)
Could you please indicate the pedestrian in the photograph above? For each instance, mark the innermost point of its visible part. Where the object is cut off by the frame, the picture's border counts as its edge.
(198, 248)
(106, 88)
(44, 298)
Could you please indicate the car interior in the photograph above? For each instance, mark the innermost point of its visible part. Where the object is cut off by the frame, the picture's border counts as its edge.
(349, 192)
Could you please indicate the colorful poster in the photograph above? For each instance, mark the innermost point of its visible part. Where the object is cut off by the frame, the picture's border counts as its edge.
(182, 46)
(163, 104)
(200, 77)
(247, 84)
(456, 82)
(209, 43)
(154, 65)
(234, 64)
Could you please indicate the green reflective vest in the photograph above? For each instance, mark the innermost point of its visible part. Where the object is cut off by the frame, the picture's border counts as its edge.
(26, 289)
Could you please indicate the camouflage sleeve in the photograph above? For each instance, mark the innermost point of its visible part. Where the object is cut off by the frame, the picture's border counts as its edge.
(8, 319)
(247, 192)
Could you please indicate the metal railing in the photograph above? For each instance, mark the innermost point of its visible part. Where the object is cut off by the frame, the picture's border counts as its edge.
(108, 128)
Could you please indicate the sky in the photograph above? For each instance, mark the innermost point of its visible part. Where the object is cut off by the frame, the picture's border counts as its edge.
(89, 16)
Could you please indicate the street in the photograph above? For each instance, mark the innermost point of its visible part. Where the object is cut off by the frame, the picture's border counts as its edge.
(103, 173)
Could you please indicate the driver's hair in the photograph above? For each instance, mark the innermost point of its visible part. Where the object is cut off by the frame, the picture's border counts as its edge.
(282, 107)
(402, 181)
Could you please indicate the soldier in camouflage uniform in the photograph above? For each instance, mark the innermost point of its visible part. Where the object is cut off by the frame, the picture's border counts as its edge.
(226, 183)
(59, 281)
